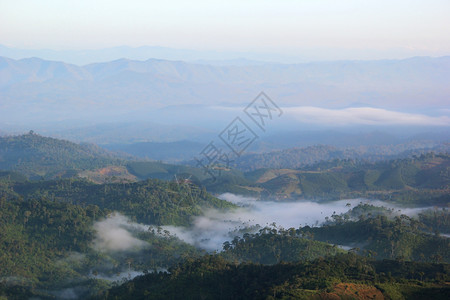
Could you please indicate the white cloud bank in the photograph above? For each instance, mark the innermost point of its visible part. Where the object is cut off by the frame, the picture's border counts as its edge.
(362, 116)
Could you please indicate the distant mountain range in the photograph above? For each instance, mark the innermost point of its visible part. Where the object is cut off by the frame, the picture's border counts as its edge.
(37, 90)
(84, 57)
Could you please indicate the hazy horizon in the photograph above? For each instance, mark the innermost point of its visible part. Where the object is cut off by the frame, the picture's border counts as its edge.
(291, 31)
(327, 64)
(218, 57)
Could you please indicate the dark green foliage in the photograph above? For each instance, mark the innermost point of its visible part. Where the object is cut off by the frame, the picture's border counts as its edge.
(365, 211)
(165, 251)
(271, 246)
(43, 223)
(35, 234)
(212, 277)
(151, 201)
(401, 237)
(437, 220)
(44, 245)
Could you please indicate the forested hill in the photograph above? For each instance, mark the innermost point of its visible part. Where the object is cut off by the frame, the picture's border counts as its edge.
(294, 158)
(36, 156)
(416, 180)
(344, 276)
(422, 180)
(150, 201)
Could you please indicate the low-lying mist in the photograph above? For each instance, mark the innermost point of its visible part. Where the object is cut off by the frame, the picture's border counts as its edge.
(114, 234)
(212, 229)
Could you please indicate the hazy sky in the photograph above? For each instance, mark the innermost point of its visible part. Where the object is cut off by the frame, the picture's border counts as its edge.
(356, 27)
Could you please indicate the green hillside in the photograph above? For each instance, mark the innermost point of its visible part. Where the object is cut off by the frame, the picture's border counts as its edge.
(47, 246)
(151, 201)
(345, 276)
(47, 238)
(423, 180)
(296, 158)
(401, 237)
(271, 246)
(48, 231)
(36, 233)
(227, 180)
(42, 157)
(149, 169)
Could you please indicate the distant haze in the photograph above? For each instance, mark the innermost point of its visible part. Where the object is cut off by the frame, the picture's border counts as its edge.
(411, 92)
(320, 30)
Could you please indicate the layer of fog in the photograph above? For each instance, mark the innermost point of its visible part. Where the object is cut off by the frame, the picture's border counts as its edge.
(364, 115)
(114, 234)
(213, 228)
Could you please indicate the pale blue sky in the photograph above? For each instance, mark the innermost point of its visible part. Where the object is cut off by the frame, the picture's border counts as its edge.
(362, 27)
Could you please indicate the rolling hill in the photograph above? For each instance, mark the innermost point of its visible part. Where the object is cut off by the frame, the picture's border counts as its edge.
(36, 156)
(322, 175)
(422, 179)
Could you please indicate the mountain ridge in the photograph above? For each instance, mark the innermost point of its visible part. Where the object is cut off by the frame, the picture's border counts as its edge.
(36, 90)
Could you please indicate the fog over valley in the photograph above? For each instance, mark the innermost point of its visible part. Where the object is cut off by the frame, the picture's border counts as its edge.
(212, 229)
